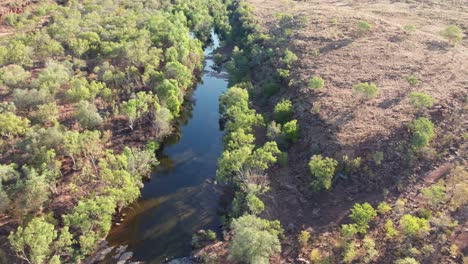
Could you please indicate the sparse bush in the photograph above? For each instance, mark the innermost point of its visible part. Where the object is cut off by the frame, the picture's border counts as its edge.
(323, 170)
(14, 75)
(423, 131)
(315, 257)
(407, 260)
(384, 208)
(26, 99)
(274, 131)
(87, 115)
(435, 194)
(421, 100)
(283, 74)
(316, 83)
(363, 26)
(303, 238)
(289, 58)
(283, 111)
(390, 229)
(453, 33)
(348, 230)
(412, 80)
(349, 255)
(371, 252)
(378, 157)
(362, 214)
(366, 90)
(254, 204)
(409, 28)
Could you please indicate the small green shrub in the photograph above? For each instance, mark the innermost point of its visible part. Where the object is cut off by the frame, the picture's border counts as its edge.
(366, 90)
(378, 157)
(384, 208)
(422, 130)
(283, 111)
(421, 100)
(274, 131)
(362, 214)
(435, 194)
(413, 225)
(322, 170)
(315, 257)
(407, 260)
(316, 83)
(303, 238)
(290, 131)
(412, 80)
(349, 255)
(453, 33)
(390, 230)
(363, 26)
(409, 28)
(283, 74)
(348, 230)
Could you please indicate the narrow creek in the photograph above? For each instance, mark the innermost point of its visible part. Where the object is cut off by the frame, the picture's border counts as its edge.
(180, 200)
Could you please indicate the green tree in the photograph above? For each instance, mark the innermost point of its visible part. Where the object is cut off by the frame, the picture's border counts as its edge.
(362, 214)
(86, 114)
(33, 243)
(423, 131)
(254, 204)
(322, 170)
(255, 239)
(290, 131)
(289, 58)
(33, 192)
(366, 90)
(169, 93)
(283, 111)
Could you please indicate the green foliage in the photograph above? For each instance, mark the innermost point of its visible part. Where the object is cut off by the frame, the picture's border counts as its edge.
(412, 80)
(18, 53)
(13, 125)
(390, 229)
(366, 90)
(271, 87)
(218, 59)
(453, 33)
(254, 204)
(322, 170)
(409, 28)
(34, 191)
(421, 100)
(315, 257)
(290, 131)
(283, 111)
(14, 75)
(87, 115)
(255, 239)
(371, 252)
(47, 113)
(363, 26)
(135, 108)
(413, 225)
(362, 214)
(349, 254)
(407, 260)
(274, 131)
(303, 238)
(348, 230)
(435, 194)
(169, 93)
(423, 131)
(383, 208)
(34, 241)
(316, 83)
(378, 157)
(26, 99)
(289, 58)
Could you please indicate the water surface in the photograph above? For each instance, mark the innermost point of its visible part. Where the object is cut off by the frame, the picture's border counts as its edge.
(179, 200)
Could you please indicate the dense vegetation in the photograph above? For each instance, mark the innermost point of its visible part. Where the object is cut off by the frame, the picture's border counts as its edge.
(80, 91)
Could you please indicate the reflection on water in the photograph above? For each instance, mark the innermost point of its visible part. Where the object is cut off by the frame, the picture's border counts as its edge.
(178, 201)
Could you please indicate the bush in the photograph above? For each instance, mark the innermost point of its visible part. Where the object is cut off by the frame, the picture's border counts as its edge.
(218, 59)
(349, 255)
(348, 230)
(14, 75)
(363, 26)
(315, 257)
(274, 131)
(290, 131)
(378, 157)
(409, 28)
(362, 214)
(254, 204)
(254, 240)
(407, 260)
(371, 252)
(423, 131)
(453, 33)
(390, 229)
(316, 83)
(435, 194)
(384, 208)
(421, 100)
(303, 238)
(289, 58)
(366, 90)
(323, 170)
(26, 99)
(413, 225)
(412, 80)
(283, 111)
(87, 115)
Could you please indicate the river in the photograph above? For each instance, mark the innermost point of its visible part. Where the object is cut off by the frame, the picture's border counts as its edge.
(179, 199)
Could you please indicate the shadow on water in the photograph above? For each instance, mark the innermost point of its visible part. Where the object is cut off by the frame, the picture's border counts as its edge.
(178, 201)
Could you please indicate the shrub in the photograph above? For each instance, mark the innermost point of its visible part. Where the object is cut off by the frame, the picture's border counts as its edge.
(348, 230)
(323, 170)
(26, 99)
(290, 131)
(369, 246)
(390, 229)
(14, 75)
(87, 115)
(273, 131)
(407, 260)
(412, 80)
(421, 100)
(289, 58)
(283, 74)
(254, 240)
(363, 26)
(378, 157)
(453, 33)
(303, 238)
(349, 255)
(366, 90)
(423, 131)
(435, 194)
(362, 214)
(283, 111)
(409, 28)
(316, 83)
(218, 59)
(315, 257)
(412, 225)
(254, 204)
(383, 208)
